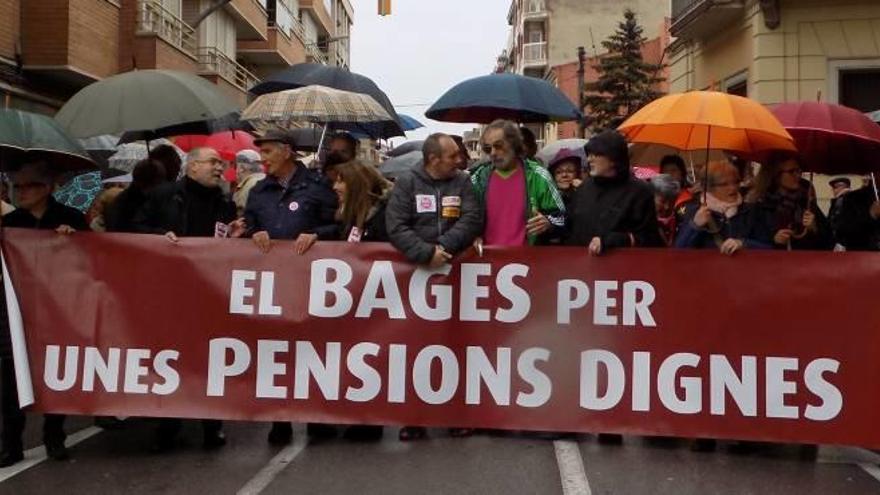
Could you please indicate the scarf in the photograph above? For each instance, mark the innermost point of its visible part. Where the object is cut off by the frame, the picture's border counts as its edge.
(728, 209)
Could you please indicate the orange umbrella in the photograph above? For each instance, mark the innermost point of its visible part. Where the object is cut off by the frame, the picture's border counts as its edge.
(704, 120)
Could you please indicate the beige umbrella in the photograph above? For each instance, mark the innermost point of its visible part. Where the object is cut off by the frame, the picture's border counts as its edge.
(313, 104)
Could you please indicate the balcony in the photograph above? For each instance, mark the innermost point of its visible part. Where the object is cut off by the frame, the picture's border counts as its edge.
(534, 55)
(251, 19)
(59, 42)
(318, 12)
(213, 62)
(316, 55)
(534, 10)
(154, 19)
(696, 19)
(284, 40)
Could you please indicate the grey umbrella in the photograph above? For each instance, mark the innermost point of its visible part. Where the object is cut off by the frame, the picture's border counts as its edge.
(407, 147)
(144, 101)
(397, 166)
(548, 152)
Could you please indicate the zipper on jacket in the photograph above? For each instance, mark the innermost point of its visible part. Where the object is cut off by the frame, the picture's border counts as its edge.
(439, 210)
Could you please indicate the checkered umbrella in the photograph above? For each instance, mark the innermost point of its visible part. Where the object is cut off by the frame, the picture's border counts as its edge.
(314, 104)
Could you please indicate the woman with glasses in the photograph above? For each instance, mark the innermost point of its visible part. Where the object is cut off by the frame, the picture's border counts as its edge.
(720, 219)
(790, 203)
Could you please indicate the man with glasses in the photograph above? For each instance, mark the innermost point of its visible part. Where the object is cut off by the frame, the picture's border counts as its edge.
(521, 203)
(37, 209)
(194, 206)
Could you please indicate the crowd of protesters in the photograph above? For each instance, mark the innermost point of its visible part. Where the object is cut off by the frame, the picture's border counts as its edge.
(438, 210)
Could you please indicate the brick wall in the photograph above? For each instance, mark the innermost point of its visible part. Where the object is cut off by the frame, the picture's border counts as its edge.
(45, 32)
(9, 27)
(94, 37)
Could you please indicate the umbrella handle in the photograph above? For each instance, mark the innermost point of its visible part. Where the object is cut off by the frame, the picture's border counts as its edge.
(874, 183)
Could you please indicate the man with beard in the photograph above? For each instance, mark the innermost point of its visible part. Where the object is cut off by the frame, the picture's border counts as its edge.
(521, 203)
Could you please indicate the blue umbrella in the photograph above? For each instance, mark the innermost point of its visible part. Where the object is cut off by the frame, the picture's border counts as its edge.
(504, 96)
(81, 191)
(409, 123)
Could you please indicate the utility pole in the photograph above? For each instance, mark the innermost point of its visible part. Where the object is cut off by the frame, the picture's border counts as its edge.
(582, 60)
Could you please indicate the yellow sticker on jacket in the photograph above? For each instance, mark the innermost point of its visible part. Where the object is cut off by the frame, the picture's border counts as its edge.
(450, 211)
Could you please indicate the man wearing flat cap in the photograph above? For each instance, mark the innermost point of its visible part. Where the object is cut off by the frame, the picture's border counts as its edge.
(291, 203)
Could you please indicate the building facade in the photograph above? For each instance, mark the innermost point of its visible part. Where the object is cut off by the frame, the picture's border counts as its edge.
(545, 36)
(776, 51)
(50, 49)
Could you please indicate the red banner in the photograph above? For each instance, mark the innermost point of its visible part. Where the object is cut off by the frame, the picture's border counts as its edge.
(763, 346)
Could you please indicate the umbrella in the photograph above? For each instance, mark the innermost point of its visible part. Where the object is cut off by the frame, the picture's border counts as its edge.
(146, 102)
(129, 154)
(308, 74)
(874, 116)
(25, 135)
(652, 154)
(315, 104)
(397, 166)
(831, 139)
(81, 191)
(407, 147)
(709, 120)
(227, 143)
(409, 123)
(504, 96)
(100, 148)
(549, 152)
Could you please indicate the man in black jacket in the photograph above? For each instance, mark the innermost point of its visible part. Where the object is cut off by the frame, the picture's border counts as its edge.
(612, 209)
(194, 206)
(433, 213)
(37, 209)
(858, 222)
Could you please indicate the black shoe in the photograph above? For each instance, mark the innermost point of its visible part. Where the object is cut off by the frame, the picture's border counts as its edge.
(214, 440)
(281, 434)
(363, 433)
(57, 451)
(10, 457)
(320, 431)
(610, 439)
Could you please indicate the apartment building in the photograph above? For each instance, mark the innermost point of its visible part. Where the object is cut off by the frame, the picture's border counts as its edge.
(49, 49)
(545, 35)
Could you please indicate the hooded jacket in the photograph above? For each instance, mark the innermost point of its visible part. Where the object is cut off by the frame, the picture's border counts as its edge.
(619, 210)
(423, 212)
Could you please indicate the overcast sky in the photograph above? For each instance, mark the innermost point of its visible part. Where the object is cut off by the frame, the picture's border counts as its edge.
(424, 48)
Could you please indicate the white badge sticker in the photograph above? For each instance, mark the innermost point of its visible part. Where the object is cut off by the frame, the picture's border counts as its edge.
(293, 206)
(354, 235)
(221, 230)
(451, 201)
(426, 203)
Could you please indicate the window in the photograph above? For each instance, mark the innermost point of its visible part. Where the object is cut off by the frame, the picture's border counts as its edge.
(172, 6)
(737, 85)
(858, 89)
(536, 36)
(218, 31)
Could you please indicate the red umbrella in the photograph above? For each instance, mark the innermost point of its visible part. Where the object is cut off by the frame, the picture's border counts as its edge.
(831, 139)
(227, 143)
(645, 173)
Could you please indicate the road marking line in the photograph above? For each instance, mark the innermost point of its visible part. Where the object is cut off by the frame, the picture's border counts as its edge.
(571, 468)
(871, 469)
(846, 455)
(37, 455)
(278, 463)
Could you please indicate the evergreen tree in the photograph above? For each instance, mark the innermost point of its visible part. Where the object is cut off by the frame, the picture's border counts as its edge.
(626, 82)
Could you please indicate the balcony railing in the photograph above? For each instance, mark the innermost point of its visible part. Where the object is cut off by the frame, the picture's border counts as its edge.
(535, 53)
(213, 61)
(155, 19)
(316, 54)
(534, 7)
(286, 21)
(699, 17)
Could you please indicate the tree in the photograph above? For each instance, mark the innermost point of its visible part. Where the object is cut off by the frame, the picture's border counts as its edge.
(626, 82)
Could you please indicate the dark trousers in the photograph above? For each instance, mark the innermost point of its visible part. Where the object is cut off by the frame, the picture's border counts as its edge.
(14, 418)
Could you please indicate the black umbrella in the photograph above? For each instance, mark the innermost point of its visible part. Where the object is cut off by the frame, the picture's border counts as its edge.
(301, 75)
(406, 148)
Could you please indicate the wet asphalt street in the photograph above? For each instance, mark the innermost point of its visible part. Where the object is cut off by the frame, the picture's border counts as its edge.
(121, 461)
